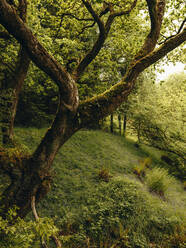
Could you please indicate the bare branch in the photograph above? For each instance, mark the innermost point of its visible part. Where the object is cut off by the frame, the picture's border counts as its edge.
(34, 211)
(78, 19)
(33, 207)
(179, 30)
(94, 15)
(181, 26)
(75, 17)
(86, 27)
(126, 12)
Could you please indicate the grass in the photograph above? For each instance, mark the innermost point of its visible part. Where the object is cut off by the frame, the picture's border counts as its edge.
(119, 208)
(158, 180)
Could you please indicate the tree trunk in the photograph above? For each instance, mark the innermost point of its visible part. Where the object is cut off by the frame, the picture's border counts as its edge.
(111, 123)
(12, 89)
(119, 121)
(124, 124)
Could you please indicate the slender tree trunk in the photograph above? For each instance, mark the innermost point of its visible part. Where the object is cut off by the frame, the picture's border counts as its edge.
(112, 123)
(119, 121)
(12, 88)
(139, 131)
(124, 124)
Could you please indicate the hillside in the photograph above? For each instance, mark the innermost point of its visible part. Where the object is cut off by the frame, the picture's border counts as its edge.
(96, 200)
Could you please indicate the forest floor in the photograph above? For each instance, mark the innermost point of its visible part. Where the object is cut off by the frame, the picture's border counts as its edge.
(90, 164)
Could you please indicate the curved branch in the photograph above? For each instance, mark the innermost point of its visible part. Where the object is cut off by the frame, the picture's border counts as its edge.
(155, 55)
(98, 44)
(33, 207)
(103, 32)
(86, 27)
(179, 30)
(156, 13)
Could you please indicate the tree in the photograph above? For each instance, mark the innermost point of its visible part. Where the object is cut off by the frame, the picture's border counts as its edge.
(158, 114)
(30, 174)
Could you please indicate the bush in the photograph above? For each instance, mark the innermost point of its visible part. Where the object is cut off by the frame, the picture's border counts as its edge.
(114, 212)
(158, 180)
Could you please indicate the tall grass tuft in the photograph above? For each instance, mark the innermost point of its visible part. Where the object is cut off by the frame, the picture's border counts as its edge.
(158, 180)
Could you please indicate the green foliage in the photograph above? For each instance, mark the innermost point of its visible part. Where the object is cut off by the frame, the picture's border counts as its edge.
(25, 234)
(158, 180)
(158, 116)
(120, 214)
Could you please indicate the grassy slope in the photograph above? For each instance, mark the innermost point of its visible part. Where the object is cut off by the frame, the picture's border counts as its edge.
(77, 165)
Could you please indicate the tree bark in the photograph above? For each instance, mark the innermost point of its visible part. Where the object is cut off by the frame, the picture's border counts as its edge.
(124, 124)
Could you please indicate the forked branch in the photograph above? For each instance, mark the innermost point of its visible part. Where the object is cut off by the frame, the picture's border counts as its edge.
(103, 32)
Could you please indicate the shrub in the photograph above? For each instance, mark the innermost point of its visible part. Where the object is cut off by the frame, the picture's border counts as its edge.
(140, 170)
(158, 180)
(114, 212)
(177, 239)
(104, 175)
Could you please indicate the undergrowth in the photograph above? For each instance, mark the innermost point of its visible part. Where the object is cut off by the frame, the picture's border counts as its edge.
(97, 201)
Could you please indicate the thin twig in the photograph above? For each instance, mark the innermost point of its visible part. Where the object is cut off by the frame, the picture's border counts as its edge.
(171, 36)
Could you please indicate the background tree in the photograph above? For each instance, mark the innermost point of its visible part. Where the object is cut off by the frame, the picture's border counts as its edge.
(158, 117)
(30, 175)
